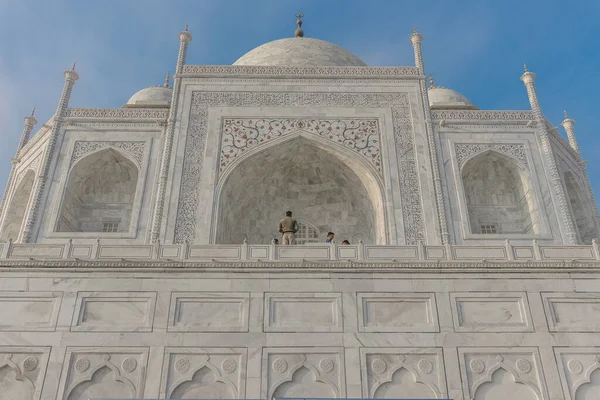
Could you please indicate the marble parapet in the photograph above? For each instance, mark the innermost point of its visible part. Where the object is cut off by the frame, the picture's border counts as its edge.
(97, 250)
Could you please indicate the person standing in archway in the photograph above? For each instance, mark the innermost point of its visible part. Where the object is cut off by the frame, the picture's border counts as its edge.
(288, 228)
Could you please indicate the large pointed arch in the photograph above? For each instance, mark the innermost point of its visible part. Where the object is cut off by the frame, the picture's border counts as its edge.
(99, 194)
(15, 214)
(499, 196)
(272, 166)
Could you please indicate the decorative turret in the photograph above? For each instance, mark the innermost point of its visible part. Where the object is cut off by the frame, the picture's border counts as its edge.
(569, 125)
(30, 122)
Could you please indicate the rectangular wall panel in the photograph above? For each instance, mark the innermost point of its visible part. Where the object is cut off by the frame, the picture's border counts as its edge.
(303, 312)
(114, 311)
(572, 312)
(29, 311)
(397, 312)
(208, 312)
(491, 312)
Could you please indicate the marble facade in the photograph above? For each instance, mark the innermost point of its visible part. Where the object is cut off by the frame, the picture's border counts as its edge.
(136, 258)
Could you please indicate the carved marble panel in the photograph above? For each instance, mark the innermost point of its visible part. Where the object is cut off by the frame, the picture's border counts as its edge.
(397, 312)
(497, 373)
(207, 373)
(313, 372)
(303, 312)
(579, 369)
(209, 312)
(188, 204)
(22, 372)
(491, 312)
(100, 373)
(572, 312)
(29, 311)
(114, 311)
(394, 373)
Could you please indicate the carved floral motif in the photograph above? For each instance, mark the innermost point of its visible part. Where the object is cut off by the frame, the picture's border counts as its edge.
(134, 149)
(465, 151)
(243, 134)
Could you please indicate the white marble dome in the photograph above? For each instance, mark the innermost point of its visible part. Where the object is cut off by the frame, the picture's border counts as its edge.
(155, 96)
(441, 98)
(300, 52)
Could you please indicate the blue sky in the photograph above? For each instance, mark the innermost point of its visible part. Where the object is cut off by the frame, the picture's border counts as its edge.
(475, 47)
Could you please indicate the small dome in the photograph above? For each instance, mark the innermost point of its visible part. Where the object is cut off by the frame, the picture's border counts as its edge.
(441, 98)
(155, 96)
(300, 52)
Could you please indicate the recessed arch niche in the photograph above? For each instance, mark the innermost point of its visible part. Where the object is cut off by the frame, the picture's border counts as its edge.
(100, 193)
(13, 221)
(14, 386)
(304, 384)
(320, 183)
(104, 383)
(504, 386)
(499, 196)
(404, 384)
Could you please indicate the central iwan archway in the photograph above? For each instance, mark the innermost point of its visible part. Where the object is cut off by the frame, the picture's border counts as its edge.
(320, 186)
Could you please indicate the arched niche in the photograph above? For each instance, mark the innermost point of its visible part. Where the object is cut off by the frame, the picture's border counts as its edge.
(315, 180)
(100, 193)
(13, 386)
(104, 384)
(502, 387)
(404, 384)
(589, 390)
(13, 221)
(304, 384)
(205, 384)
(580, 207)
(500, 198)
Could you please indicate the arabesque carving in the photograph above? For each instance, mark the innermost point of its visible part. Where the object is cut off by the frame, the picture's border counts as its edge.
(242, 134)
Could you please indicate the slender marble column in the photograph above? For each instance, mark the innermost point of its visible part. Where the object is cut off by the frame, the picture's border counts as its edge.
(416, 38)
(41, 180)
(184, 38)
(561, 203)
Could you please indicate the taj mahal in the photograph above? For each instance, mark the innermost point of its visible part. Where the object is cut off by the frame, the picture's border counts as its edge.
(138, 257)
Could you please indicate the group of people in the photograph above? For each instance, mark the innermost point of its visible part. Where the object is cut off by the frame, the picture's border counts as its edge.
(288, 227)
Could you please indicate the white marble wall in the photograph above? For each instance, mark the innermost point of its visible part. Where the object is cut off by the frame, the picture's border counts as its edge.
(74, 335)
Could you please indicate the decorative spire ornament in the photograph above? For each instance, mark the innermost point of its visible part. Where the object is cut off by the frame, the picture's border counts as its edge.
(73, 67)
(525, 67)
(431, 81)
(299, 32)
(167, 80)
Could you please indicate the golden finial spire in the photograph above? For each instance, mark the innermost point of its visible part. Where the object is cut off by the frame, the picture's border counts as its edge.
(299, 32)
(167, 79)
(431, 81)
(525, 67)
(414, 29)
